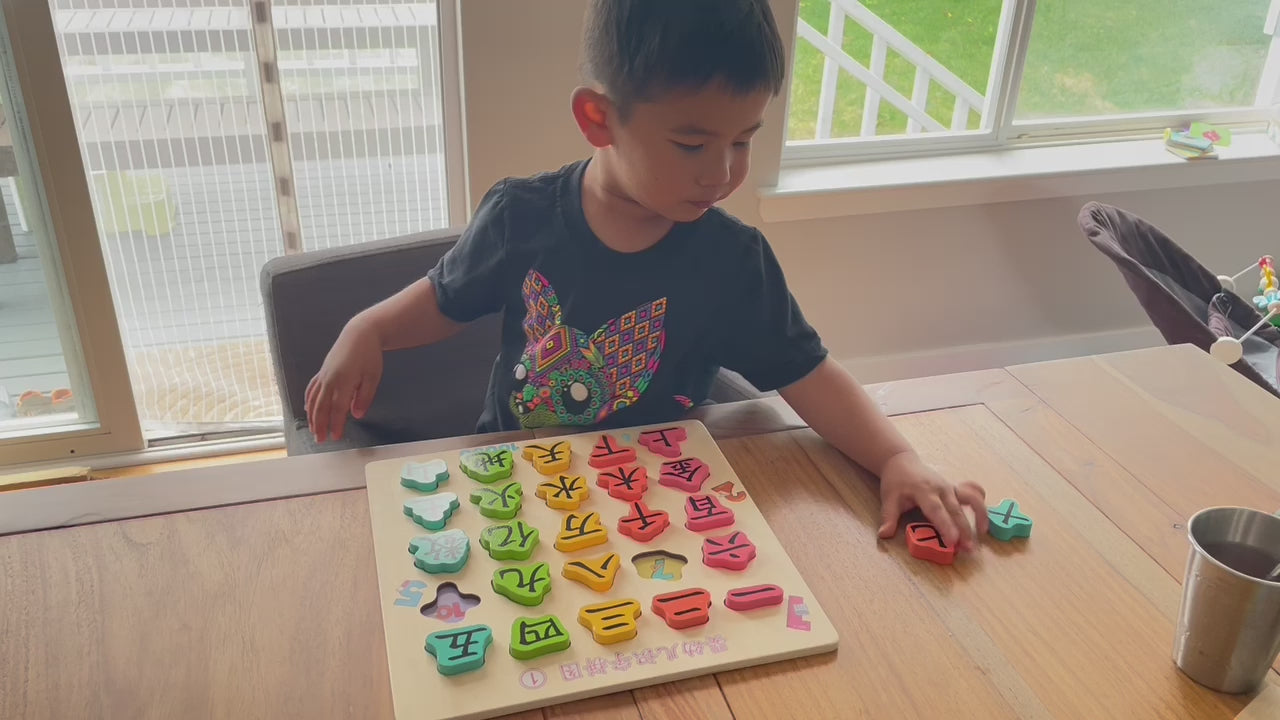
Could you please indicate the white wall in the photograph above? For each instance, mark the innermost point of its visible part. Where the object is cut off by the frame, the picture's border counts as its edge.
(894, 294)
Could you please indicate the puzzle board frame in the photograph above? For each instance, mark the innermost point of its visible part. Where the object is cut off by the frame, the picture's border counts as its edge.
(730, 639)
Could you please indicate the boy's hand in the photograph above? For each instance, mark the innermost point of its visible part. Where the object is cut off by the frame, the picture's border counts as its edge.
(346, 381)
(907, 482)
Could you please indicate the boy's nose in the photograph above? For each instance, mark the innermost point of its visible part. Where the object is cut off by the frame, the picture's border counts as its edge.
(715, 173)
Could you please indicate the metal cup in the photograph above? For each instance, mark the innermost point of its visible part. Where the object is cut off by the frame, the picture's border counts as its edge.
(1229, 624)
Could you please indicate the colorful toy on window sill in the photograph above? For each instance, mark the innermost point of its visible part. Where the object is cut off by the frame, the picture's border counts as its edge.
(33, 402)
(1230, 350)
(1198, 142)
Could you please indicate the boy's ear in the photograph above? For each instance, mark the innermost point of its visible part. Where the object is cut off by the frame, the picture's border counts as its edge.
(592, 111)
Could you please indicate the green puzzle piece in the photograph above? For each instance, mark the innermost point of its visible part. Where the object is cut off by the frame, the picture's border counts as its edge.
(535, 637)
(523, 584)
(444, 552)
(511, 540)
(1007, 521)
(487, 466)
(502, 503)
(424, 476)
(432, 511)
(461, 650)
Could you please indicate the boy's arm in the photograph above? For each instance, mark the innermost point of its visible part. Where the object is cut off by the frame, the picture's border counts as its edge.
(831, 402)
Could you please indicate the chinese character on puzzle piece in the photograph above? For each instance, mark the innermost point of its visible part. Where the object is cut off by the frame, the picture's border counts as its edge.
(596, 666)
(570, 672)
(687, 474)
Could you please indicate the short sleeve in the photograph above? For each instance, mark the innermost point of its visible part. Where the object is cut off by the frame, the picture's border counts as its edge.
(766, 337)
(468, 280)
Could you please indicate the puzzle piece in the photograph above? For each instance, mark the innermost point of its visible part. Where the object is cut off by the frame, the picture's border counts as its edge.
(512, 540)
(442, 552)
(535, 637)
(643, 524)
(487, 466)
(752, 597)
(625, 482)
(566, 492)
(432, 511)
(597, 573)
(683, 608)
(732, 552)
(1008, 521)
(688, 474)
(610, 621)
(926, 543)
(608, 453)
(523, 584)
(501, 503)
(579, 531)
(461, 650)
(704, 512)
(664, 442)
(549, 459)
(424, 476)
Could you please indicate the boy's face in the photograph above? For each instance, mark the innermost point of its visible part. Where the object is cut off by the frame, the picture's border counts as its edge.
(679, 155)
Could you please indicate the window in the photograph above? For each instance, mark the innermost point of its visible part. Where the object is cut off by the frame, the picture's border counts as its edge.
(884, 78)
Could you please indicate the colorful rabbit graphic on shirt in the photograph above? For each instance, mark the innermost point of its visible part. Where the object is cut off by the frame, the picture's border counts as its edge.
(572, 378)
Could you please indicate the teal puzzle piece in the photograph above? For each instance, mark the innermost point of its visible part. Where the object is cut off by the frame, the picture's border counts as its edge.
(444, 552)
(1008, 521)
(432, 511)
(424, 476)
(460, 650)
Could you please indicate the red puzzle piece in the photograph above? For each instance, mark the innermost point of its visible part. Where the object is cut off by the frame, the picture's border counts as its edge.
(683, 608)
(643, 523)
(625, 482)
(704, 512)
(687, 474)
(926, 543)
(752, 597)
(664, 442)
(608, 453)
(731, 552)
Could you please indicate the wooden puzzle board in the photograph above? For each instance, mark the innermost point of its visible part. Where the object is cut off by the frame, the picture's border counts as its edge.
(729, 639)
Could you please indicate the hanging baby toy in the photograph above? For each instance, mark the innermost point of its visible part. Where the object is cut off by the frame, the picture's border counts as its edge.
(1268, 289)
(1230, 350)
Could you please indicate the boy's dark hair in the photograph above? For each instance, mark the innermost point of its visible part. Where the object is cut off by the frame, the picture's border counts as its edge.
(638, 49)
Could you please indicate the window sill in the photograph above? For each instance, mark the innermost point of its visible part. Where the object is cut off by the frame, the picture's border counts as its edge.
(916, 183)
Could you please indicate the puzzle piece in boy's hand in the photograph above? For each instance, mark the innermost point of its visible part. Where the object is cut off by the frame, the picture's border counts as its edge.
(608, 452)
(1008, 521)
(597, 573)
(566, 492)
(643, 524)
(534, 637)
(687, 474)
(443, 552)
(580, 530)
(511, 540)
(664, 442)
(926, 543)
(625, 482)
(683, 608)
(498, 502)
(731, 552)
(704, 512)
(752, 597)
(549, 459)
(523, 584)
(424, 476)
(610, 621)
(487, 466)
(433, 511)
(461, 650)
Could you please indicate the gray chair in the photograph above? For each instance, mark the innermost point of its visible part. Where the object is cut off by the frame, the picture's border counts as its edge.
(309, 297)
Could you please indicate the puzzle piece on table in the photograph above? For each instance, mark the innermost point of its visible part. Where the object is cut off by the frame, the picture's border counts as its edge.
(566, 492)
(523, 584)
(501, 503)
(487, 466)
(643, 524)
(608, 452)
(461, 650)
(579, 531)
(625, 482)
(665, 442)
(442, 552)
(1008, 521)
(424, 476)
(683, 608)
(610, 621)
(549, 459)
(534, 637)
(734, 551)
(597, 573)
(752, 597)
(432, 511)
(511, 540)
(704, 512)
(687, 474)
(926, 543)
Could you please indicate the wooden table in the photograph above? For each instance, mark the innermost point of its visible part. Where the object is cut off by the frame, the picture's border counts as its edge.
(269, 609)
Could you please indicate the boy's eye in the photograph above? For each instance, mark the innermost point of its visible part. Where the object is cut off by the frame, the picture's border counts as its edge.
(742, 144)
(687, 148)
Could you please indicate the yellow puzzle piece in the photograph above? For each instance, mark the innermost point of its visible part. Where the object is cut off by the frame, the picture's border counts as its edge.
(549, 459)
(580, 531)
(611, 621)
(566, 492)
(596, 573)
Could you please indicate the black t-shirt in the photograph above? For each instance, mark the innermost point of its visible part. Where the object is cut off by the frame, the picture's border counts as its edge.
(595, 337)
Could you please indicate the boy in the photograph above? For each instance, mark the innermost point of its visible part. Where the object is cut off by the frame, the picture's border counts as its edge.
(623, 288)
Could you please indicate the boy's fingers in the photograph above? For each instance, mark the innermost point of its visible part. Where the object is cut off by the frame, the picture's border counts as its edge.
(319, 414)
(338, 404)
(976, 498)
(965, 537)
(890, 512)
(364, 396)
(936, 511)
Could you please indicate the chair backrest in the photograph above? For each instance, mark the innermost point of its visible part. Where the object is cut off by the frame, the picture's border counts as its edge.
(428, 392)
